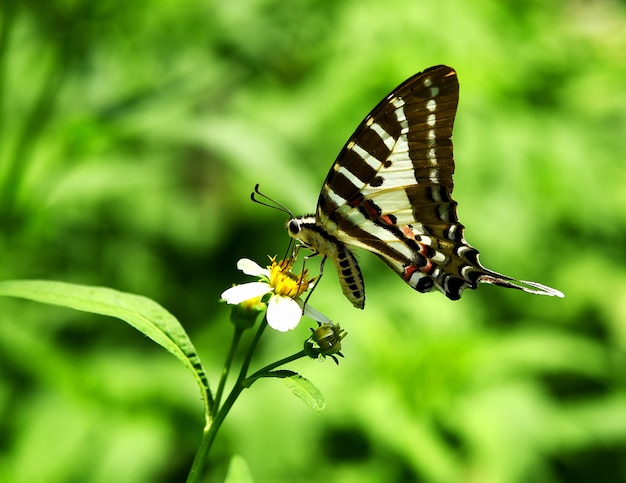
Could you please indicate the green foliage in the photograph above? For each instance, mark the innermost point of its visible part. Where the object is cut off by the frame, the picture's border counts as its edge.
(238, 471)
(302, 388)
(143, 314)
(131, 135)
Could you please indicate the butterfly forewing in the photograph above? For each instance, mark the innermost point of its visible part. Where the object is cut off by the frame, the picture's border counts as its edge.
(389, 192)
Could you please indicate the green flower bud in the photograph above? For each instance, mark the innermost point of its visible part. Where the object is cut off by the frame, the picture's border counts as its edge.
(244, 315)
(325, 341)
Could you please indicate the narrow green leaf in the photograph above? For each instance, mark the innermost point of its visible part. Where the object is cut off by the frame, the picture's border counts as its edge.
(142, 313)
(306, 391)
(238, 471)
(281, 373)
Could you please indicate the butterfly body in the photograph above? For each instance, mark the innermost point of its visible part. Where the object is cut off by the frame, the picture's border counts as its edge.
(389, 193)
(311, 235)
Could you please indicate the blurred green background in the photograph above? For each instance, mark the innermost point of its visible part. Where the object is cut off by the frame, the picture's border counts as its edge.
(131, 135)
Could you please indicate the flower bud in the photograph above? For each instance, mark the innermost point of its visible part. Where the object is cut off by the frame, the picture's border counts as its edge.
(325, 341)
(244, 315)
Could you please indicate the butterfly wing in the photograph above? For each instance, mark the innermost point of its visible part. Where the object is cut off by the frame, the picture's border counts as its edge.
(389, 191)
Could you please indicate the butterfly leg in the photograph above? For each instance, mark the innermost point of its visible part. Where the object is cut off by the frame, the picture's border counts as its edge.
(306, 300)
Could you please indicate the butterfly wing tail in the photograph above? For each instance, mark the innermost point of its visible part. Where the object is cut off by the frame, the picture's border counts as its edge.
(452, 277)
(523, 285)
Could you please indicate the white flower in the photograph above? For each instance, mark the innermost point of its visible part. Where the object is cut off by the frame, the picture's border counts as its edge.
(284, 309)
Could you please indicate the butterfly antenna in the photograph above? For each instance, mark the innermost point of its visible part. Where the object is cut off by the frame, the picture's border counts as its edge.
(272, 203)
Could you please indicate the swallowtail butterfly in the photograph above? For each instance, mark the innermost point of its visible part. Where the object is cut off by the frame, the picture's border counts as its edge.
(389, 192)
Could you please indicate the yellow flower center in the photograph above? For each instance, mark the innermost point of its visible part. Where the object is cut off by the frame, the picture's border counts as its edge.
(283, 282)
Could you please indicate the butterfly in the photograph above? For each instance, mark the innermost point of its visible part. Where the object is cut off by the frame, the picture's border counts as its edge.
(389, 193)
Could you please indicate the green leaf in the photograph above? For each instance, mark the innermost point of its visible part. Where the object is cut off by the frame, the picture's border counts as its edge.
(305, 390)
(142, 313)
(281, 373)
(238, 471)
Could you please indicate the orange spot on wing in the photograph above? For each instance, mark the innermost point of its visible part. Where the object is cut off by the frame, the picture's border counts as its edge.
(407, 232)
(371, 209)
(409, 271)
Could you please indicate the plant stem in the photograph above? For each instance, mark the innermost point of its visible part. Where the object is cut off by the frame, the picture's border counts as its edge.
(243, 382)
(246, 362)
(226, 369)
(209, 433)
(213, 424)
(265, 370)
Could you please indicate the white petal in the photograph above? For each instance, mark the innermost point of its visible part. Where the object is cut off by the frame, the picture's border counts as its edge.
(283, 313)
(237, 294)
(314, 314)
(250, 267)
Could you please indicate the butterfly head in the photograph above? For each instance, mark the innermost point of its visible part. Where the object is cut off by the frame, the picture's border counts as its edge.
(303, 229)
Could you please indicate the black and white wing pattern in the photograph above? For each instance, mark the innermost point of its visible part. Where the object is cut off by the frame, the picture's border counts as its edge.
(390, 192)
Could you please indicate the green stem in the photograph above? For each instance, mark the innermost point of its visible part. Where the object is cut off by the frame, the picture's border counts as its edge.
(270, 367)
(209, 433)
(226, 369)
(243, 382)
(246, 362)
(214, 424)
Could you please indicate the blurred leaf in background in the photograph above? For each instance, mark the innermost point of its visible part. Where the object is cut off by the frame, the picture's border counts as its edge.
(131, 135)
